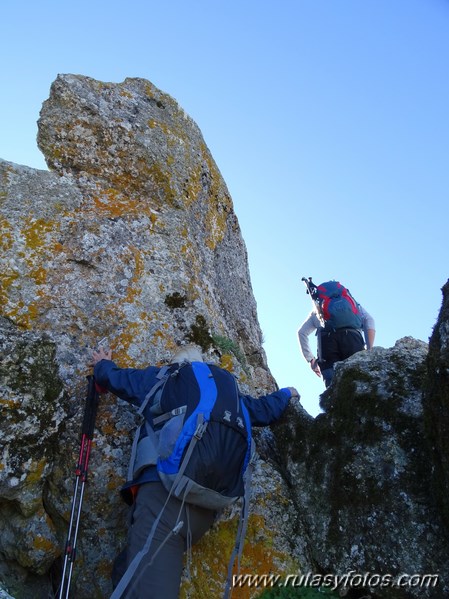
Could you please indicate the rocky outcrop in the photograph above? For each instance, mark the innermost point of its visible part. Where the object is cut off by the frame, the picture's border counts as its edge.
(436, 402)
(362, 474)
(131, 235)
(33, 410)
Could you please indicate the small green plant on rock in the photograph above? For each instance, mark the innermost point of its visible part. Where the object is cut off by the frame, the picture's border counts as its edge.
(227, 346)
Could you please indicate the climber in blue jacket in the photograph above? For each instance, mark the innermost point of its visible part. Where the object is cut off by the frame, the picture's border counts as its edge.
(146, 492)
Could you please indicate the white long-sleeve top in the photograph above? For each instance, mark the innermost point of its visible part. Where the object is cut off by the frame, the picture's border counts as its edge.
(313, 324)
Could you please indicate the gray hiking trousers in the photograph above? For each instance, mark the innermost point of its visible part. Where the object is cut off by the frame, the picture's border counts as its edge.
(162, 579)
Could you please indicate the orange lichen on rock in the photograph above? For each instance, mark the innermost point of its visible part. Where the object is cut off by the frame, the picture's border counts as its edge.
(210, 559)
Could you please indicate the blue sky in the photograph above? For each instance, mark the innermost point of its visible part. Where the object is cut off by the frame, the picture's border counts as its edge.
(329, 120)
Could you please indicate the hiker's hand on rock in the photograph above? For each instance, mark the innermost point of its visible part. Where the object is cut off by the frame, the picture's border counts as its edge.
(314, 366)
(100, 354)
(294, 392)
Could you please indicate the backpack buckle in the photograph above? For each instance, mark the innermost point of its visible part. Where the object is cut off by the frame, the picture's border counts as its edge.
(200, 430)
(177, 411)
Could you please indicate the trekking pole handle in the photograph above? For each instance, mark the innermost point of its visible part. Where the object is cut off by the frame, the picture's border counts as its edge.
(312, 290)
(90, 411)
(307, 282)
(309, 286)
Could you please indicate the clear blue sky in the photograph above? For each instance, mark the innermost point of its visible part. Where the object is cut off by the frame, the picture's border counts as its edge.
(329, 120)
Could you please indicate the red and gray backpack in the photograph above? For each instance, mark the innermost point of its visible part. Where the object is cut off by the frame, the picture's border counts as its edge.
(337, 306)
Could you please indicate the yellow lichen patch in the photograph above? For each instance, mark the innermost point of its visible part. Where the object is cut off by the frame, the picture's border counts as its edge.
(6, 239)
(139, 267)
(163, 338)
(103, 569)
(216, 220)
(137, 178)
(36, 243)
(7, 170)
(6, 280)
(43, 544)
(39, 275)
(114, 204)
(242, 378)
(162, 180)
(32, 240)
(193, 289)
(170, 345)
(107, 428)
(216, 228)
(106, 422)
(58, 248)
(219, 203)
(22, 314)
(123, 342)
(133, 258)
(227, 362)
(149, 90)
(8, 403)
(114, 482)
(153, 123)
(24, 319)
(193, 186)
(211, 557)
(35, 231)
(36, 471)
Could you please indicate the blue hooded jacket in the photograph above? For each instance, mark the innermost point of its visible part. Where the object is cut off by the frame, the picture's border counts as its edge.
(133, 385)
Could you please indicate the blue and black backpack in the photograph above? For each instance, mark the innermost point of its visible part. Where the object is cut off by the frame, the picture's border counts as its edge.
(337, 306)
(197, 432)
(205, 444)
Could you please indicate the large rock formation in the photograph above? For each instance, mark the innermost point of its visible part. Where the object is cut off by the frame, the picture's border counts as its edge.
(132, 236)
(437, 405)
(365, 467)
(32, 416)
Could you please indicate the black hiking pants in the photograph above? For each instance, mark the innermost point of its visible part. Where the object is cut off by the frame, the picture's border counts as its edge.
(161, 579)
(337, 346)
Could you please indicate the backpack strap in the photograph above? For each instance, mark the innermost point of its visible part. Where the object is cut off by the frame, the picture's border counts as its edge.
(193, 428)
(168, 415)
(199, 432)
(241, 531)
(244, 514)
(161, 377)
(132, 459)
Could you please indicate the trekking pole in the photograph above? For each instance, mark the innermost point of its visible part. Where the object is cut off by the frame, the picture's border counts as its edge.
(87, 432)
(312, 289)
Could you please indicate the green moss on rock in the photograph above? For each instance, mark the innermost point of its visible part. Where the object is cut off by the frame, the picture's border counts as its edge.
(200, 334)
(175, 300)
